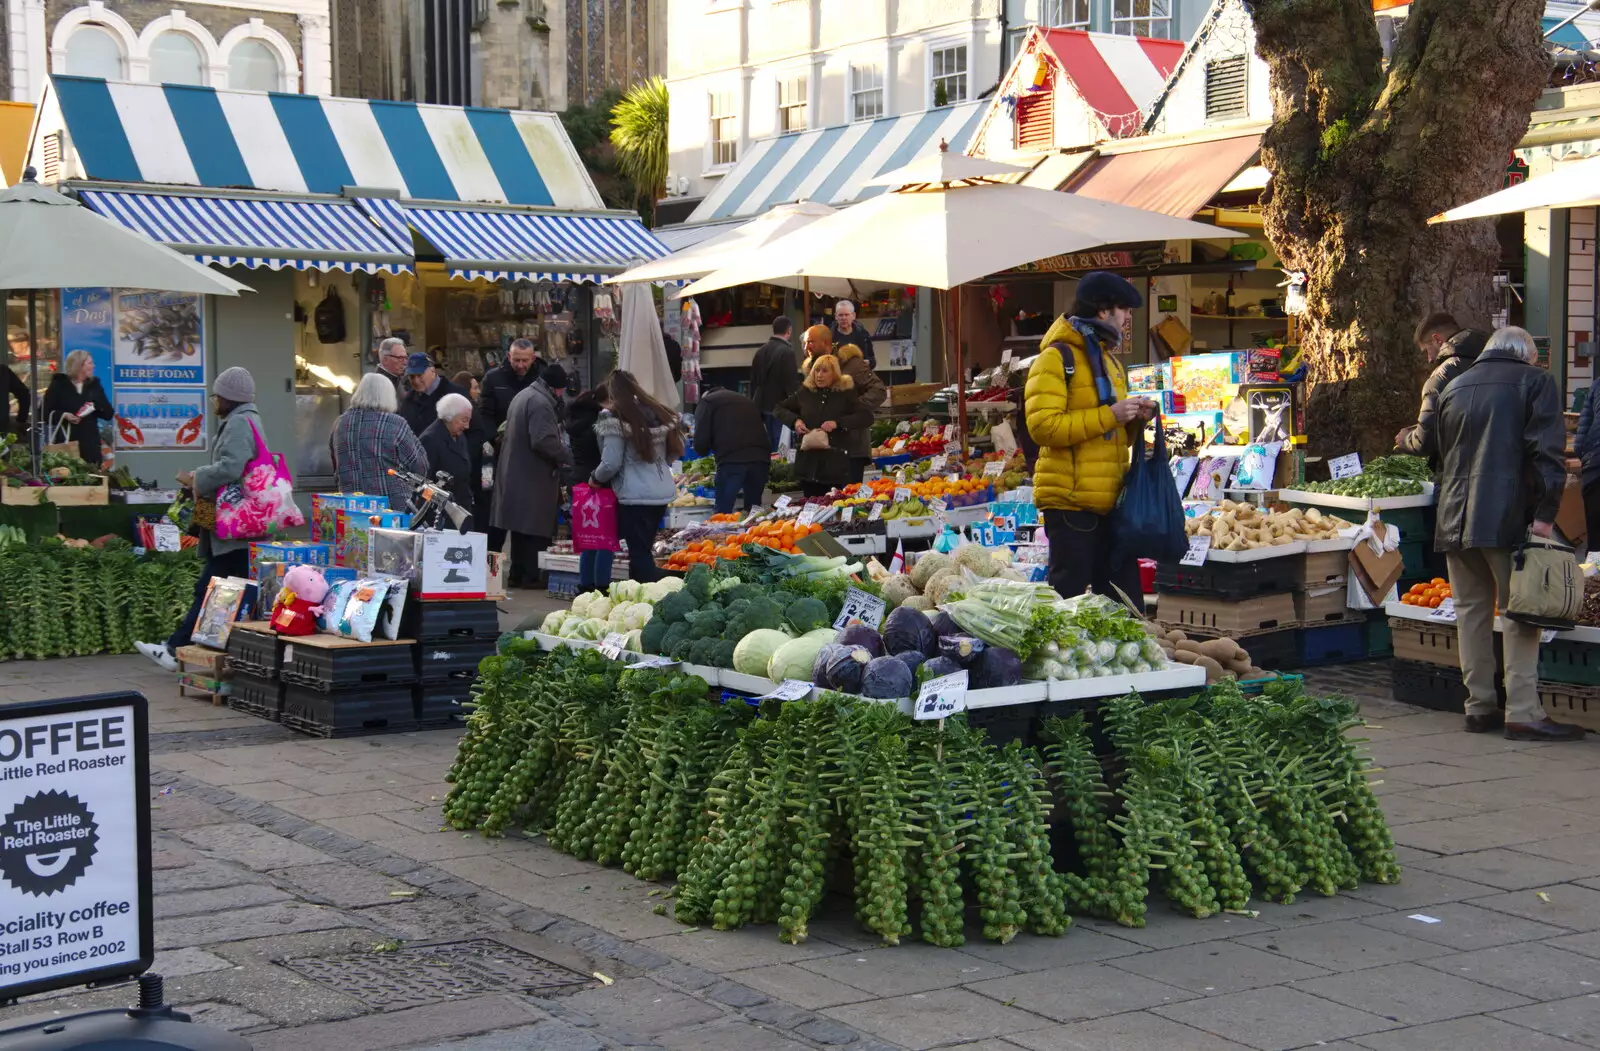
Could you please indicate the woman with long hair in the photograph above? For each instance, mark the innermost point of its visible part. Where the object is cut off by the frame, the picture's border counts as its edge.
(594, 566)
(822, 413)
(639, 437)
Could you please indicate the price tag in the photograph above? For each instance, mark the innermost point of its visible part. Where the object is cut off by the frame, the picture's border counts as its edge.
(938, 506)
(846, 513)
(788, 690)
(936, 464)
(1005, 356)
(1347, 466)
(811, 513)
(876, 513)
(1196, 555)
(994, 468)
(952, 477)
(1446, 610)
(1547, 635)
(611, 645)
(655, 662)
(781, 502)
(942, 697)
(859, 605)
(901, 493)
(952, 449)
(755, 513)
(167, 537)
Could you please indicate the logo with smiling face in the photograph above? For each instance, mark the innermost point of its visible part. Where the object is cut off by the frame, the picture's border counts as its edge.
(47, 842)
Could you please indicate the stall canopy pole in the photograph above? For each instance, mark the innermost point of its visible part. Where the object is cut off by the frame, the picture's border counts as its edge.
(33, 379)
(961, 369)
(805, 322)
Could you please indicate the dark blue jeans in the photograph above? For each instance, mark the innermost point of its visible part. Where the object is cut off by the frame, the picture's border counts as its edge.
(594, 569)
(774, 429)
(735, 478)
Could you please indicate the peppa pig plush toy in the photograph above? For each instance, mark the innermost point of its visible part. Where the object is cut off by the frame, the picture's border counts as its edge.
(299, 601)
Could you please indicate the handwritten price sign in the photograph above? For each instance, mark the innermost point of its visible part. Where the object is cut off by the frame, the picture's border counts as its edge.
(942, 697)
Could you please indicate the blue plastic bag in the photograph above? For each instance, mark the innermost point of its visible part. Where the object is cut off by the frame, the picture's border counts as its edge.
(1148, 518)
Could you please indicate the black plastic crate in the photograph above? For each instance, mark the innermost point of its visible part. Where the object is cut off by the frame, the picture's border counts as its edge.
(1231, 580)
(455, 659)
(1434, 686)
(448, 621)
(1333, 644)
(441, 703)
(348, 665)
(351, 713)
(257, 696)
(258, 653)
(1007, 723)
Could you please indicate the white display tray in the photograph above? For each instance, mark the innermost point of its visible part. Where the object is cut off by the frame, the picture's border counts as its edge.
(144, 496)
(556, 562)
(910, 528)
(1359, 503)
(965, 516)
(1258, 554)
(1027, 692)
(678, 517)
(863, 543)
(1176, 677)
(1343, 543)
(1581, 633)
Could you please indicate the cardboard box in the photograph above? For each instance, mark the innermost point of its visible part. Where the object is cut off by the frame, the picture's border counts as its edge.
(1324, 569)
(1167, 401)
(1377, 573)
(1262, 365)
(1320, 606)
(1146, 378)
(296, 552)
(394, 553)
(1214, 616)
(1204, 426)
(1571, 517)
(323, 506)
(1210, 381)
(456, 566)
(269, 579)
(912, 393)
(1426, 641)
(352, 529)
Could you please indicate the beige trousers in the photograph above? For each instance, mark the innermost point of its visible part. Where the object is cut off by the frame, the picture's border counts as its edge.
(1478, 576)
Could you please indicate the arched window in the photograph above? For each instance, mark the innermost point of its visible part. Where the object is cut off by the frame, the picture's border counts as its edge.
(93, 52)
(253, 66)
(175, 59)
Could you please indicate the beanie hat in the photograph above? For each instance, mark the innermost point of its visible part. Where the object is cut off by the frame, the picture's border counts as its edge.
(555, 377)
(236, 385)
(1103, 289)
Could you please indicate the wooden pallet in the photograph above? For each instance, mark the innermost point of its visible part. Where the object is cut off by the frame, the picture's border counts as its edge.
(203, 673)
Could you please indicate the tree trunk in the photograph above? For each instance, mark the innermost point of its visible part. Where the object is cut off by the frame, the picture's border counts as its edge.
(1361, 155)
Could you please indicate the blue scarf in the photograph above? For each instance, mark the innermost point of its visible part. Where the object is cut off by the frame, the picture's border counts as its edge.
(1094, 331)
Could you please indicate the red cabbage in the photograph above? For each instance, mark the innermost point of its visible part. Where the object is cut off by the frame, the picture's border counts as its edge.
(839, 667)
(962, 649)
(911, 659)
(887, 678)
(906, 629)
(861, 635)
(944, 624)
(996, 666)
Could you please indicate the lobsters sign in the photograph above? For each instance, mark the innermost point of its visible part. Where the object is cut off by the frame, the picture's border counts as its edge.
(74, 843)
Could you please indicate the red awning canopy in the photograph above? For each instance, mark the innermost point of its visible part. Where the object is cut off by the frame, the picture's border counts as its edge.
(1177, 180)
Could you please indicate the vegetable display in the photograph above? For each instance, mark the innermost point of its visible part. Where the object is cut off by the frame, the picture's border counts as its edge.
(1367, 485)
(1215, 798)
(1245, 527)
(1399, 466)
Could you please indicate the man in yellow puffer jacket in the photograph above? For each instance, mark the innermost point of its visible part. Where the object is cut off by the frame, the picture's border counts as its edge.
(1078, 412)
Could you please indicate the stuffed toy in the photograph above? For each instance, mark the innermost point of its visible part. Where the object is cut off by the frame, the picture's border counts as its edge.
(299, 601)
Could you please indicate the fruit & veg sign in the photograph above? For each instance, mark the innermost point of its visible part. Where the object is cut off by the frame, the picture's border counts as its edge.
(74, 843)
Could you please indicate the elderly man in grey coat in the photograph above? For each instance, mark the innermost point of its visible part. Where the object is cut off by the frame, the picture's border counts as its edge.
(528, 483)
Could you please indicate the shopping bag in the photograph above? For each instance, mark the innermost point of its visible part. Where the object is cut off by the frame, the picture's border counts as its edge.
(261, 503)
(594, 518)
(61, 440)
(1546, 584)
(1148, 518)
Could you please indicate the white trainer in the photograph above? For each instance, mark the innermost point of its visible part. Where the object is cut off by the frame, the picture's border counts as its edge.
(157, 651)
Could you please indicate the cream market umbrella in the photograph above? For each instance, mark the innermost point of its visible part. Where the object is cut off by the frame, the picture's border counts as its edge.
(1575, 185)
(948, 222)
(640, 348)
(48, 240)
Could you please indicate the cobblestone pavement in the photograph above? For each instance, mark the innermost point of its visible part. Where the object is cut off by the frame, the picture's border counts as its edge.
(272, 847)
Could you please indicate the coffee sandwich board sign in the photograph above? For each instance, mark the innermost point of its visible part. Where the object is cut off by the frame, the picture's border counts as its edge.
(75, 863)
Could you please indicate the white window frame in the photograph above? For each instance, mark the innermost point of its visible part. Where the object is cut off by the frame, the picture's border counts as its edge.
(255, 29)
(1142, 25)
(881, 64)
(717, 148)
(800, 78)
(965, 74)
(1053, 14)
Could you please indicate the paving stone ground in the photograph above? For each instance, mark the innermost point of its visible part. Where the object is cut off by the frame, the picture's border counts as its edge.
(270, 846)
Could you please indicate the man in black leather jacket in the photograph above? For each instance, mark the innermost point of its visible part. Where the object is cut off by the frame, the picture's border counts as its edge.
(1452, 350)
(1499, 437)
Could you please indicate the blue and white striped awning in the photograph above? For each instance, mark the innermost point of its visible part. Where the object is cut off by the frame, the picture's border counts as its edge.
(833, 165)
(181, 135)
(258, 232)
(534, 246)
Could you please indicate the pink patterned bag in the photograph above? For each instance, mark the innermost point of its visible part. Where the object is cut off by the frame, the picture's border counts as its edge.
(594, 518)
(261, 504)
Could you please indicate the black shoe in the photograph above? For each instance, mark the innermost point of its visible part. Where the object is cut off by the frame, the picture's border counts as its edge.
(1543, 730)
(1482, 724)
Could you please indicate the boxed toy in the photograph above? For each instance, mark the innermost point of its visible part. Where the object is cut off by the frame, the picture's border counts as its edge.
(394, 553)
(351, 529)
(1201, 427)
(1150, 377)
(324, 505)
(228, 600)
(453, 566)
(1263, 367)
(1209, 381)
(303, 552)
(1167, 401)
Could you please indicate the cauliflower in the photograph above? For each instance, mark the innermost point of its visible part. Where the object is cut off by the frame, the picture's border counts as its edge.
(599, 607)
(628, 616)
(580, 605)
(657, 590)
(552, 623)
(626, 590)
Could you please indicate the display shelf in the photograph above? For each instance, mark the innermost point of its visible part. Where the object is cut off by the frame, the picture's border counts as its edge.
(910, 528)
(679, 517)
(1342, 543)
(1580, 633)
(864, 543)
(1359, 503)
(1258, 554)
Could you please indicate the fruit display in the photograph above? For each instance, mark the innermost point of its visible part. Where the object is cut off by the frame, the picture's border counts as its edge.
(1433, 593)
(1245, 527)
(779, 534)
(1205, 800)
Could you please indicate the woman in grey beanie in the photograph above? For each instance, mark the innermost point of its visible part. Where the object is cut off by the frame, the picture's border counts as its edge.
(233, 397)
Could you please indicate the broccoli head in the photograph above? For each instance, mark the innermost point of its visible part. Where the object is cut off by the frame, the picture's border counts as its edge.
(650, 635)
(697, 582)
(707, 623)
(675, 607)
(745, 593)
(722, 654)
(703, 651)
(746, 615)
(806, 614)
(675, 642)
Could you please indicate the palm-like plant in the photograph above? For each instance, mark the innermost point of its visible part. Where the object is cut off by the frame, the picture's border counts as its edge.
(639, 135)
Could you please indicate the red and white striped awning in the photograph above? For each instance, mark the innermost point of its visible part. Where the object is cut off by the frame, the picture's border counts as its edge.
(1118, 76)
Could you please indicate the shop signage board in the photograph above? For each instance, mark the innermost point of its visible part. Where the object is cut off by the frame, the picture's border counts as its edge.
(160, 417)
(160, 338)
(74, 843)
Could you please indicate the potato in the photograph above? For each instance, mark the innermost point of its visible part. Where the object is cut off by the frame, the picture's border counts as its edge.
(1214, 670)
(1240, 666)
(1185, 656)
(1191, 646)
(1176, 636)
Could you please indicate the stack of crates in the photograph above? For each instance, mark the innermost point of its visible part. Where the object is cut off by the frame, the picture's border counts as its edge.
(452, 637)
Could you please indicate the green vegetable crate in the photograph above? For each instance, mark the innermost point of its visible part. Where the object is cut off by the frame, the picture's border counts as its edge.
(1565, 661)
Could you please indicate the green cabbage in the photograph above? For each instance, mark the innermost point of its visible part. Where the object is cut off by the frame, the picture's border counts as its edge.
(795, 658)
(754, 652)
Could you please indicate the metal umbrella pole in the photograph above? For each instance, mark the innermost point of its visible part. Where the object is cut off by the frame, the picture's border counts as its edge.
(961, 369)
(34, 449)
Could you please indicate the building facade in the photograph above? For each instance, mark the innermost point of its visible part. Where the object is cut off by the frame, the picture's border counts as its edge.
(260, 45)
(1161, 19)
(740, 72)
